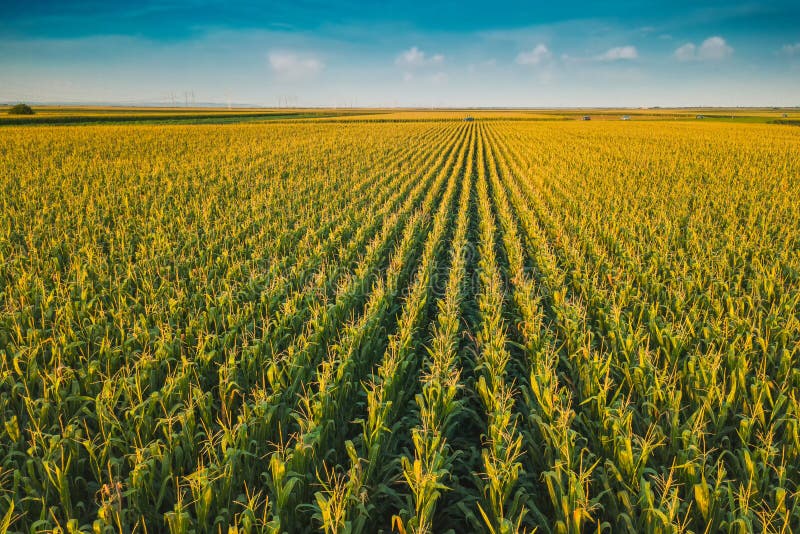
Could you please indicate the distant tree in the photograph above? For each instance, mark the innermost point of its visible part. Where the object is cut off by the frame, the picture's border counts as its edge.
(21, 109)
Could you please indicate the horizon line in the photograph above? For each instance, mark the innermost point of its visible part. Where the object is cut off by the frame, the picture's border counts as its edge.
(245, 106)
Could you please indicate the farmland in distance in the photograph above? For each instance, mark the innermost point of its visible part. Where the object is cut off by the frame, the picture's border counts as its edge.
(402, 322)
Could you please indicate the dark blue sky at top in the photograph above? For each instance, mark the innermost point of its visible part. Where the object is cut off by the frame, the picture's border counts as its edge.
(408, 53)
(180, 19)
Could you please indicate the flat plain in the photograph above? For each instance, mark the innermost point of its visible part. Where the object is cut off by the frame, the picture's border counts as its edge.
(327, 320)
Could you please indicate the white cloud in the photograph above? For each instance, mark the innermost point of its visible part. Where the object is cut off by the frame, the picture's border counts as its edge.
(414, 57)
(620, 52)
(712, 49)
(539, 54)
(291, 66)
(686, 52)
(791, 49)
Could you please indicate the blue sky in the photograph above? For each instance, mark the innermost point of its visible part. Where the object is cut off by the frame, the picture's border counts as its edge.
(393, 53)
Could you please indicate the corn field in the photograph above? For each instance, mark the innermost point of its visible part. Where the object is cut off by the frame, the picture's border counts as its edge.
(413, 326)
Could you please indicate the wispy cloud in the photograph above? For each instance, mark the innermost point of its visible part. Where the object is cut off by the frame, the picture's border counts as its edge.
(791, 49)
(619, 53)
(712, 49)
(686, 52)
(292, 66)
(414, 57)
(539, 54)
